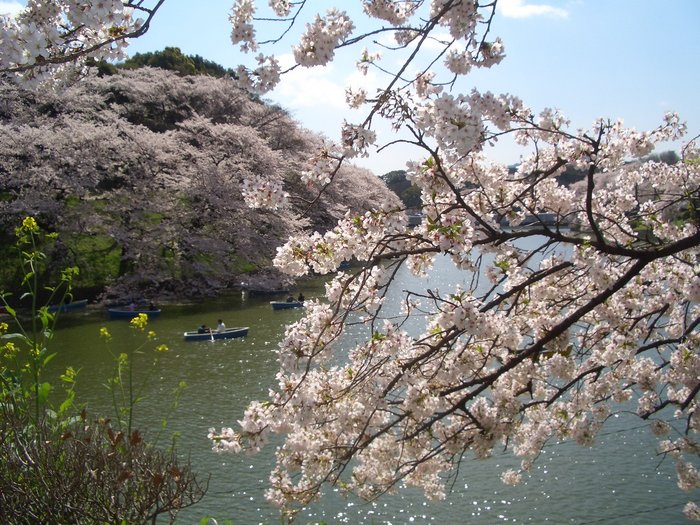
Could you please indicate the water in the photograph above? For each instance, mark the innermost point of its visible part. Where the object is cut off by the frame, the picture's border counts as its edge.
(619, 482)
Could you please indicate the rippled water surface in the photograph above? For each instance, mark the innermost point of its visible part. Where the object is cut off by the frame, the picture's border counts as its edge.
(621, 481)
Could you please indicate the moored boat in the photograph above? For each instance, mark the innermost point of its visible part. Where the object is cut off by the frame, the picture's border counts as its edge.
(129, 312)
(67, 307)
(229, 333)
(284, 305)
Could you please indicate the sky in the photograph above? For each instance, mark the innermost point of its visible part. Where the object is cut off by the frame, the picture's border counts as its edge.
(627, 59)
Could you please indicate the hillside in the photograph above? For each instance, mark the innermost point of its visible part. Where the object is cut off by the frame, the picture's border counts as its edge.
(141, 172)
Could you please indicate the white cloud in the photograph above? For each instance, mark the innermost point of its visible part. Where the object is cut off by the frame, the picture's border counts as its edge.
(310, 88)
(10, 8)
(321, 90)
(519, 9)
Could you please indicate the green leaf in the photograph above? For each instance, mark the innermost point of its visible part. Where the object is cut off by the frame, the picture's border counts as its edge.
(14, 335)
(48, 358)
(67, 403)
(44, 390)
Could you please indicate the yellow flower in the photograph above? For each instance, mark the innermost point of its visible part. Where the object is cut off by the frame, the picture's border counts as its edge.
(28, 227)
(3, 327)
(162, 348)
(140, 321)
(10, 349)
(29, 224)
(69, 375)
(151, 335)
(68, 274)
(104, 334)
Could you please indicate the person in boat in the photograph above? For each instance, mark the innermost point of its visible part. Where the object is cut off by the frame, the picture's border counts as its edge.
(221, 327)
(203, 329)
(301, 297)
(290, 299)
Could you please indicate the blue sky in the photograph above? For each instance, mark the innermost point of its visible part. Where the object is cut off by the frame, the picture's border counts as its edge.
(628, 59)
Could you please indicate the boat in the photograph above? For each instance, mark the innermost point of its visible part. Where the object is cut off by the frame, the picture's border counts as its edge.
(284, 305)
(67, 307)
(262, 292)
(212, 335)
(129, 312)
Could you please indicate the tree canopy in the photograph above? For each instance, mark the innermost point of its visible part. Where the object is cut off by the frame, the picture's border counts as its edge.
(172, 59)
(143, 175)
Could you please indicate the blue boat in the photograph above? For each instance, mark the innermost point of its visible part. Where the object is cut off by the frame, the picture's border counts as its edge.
(213, 335)
(129, 312)
(67, 307)
(284, 305)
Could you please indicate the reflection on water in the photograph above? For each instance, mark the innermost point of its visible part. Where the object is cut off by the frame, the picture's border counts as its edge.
(619, 482)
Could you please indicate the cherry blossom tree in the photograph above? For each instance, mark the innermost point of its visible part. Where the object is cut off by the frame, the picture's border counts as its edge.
(55, 39)
(151, 170)
(546, 343)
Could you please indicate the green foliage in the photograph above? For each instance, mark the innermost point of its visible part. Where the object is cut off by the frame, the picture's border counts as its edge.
(397, 182)
(98, 255)
(411, 197)
(172, 59)
(103, 68)
(244, 266)
(56, 464)
(126, 394)
(25, 353)
(152, 218)
(669, 157)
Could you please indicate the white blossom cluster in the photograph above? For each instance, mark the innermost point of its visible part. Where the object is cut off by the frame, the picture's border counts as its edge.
(326, 32)
(281, 7)
(242, 29)
(260, 192)
(459, 17)
(459, 123)
(552, 346)
(318, 43)
(356, 140)
(366, 59)
(544, 345)
(355, 97)
(396, 12)
(519, 343)
(50, 40)
(354, 236)
(322, 165)
(263, 78)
